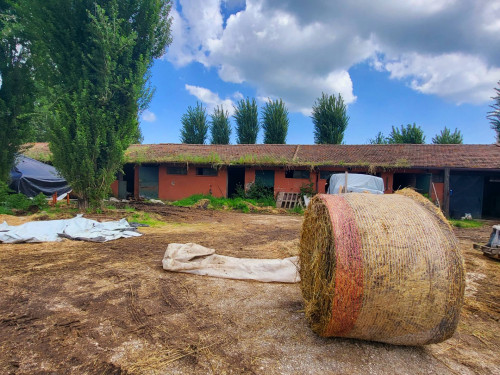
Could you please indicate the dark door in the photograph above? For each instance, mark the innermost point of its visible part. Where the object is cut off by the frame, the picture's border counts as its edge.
(491, 200)
(466, 195)
(265, 178)
(148, 182)
(235, 178)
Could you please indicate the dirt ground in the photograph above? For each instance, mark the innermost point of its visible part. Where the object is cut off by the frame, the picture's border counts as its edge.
(85, 308)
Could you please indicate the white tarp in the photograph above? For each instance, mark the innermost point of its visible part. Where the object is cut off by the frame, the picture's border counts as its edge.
(356, 183)
(200, 260)
(77, 228)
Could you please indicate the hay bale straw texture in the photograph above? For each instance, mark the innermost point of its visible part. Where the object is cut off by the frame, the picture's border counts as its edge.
(380, 267)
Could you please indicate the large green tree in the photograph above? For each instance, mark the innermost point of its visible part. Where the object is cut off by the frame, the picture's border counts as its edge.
(447, 137)
(247, 123)
(494, 115)
(94, 59)
(275, 122)
(194, 125)
(16, 87)
(220, 127)
(410, 133)
(329, 115)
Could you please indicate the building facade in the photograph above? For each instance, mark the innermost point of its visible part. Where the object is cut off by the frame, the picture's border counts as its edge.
(459, 178)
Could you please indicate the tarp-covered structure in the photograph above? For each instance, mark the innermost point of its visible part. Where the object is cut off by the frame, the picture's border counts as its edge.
(31, 177)
(356, 183)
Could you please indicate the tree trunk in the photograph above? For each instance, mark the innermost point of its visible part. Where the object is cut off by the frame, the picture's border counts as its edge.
(83, 204)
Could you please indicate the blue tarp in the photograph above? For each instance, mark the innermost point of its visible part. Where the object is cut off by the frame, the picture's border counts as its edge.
(32, 177)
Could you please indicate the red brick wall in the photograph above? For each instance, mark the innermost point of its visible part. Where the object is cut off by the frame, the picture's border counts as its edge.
(283, 184)
(249, 176)
(439, 186)
(388, 178)
(114, 188)
(173, 187)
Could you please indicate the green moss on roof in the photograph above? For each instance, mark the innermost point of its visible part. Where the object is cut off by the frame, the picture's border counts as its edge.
(42, 154)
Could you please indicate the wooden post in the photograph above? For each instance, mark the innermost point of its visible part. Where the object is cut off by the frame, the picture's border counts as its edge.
(345, 185)
(446, 195)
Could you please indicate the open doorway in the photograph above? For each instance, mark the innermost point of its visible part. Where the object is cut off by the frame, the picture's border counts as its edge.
(148, 182)
(235, 178)
(491, 200)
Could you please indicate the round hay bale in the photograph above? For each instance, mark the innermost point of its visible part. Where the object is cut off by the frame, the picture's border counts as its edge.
(380, 267)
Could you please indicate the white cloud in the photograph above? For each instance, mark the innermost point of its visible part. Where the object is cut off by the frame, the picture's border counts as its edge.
(148, 116)
(295, 50)
(210, 99)
(458, 77)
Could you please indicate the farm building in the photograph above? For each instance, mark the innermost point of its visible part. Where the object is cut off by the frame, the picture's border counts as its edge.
(462, 178)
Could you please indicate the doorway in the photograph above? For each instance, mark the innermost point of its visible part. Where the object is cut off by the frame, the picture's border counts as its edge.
(265, 178)
(148, 182)
(235, 178)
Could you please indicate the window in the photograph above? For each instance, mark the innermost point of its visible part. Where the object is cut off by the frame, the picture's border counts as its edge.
(324, 175)
(177, 170)
(206, 171)
(297, 174)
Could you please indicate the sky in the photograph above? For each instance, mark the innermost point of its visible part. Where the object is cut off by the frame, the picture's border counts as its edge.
(430, 62)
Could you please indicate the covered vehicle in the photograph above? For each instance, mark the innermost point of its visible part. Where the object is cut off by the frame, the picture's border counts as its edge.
(356, 183)
(32, 177)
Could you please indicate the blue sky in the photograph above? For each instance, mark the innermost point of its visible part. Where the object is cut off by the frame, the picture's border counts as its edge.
(394, 64)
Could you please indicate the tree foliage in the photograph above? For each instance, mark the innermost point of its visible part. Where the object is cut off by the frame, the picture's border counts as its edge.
(194, 125)
(379, 139)
(494, 115)
(94, 58)
(247, 123)
(447, 137)
(411, 133)
(220, 127)
(329, 115)
(16, 87)
(275, 122)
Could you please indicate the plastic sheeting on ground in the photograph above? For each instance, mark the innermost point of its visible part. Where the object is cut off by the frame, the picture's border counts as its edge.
(77, 228)
(356, 183)
(200, 260)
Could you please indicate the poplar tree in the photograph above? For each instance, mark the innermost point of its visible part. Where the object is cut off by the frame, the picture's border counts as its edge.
(220, 127)
(329, 115)
(494, 115)
(247, 123)
(275, 122)
(194, 125)
(16, 88)
(94, 59)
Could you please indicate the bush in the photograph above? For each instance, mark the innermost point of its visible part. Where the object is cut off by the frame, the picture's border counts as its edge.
(260, 193)
(307, 190)
(4, 192)
(19, 202)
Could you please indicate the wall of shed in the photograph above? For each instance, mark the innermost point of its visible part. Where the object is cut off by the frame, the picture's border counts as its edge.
(114, 188)
(174, 187)
(283, 184)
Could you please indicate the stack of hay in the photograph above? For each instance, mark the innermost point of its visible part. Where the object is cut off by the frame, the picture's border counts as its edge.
(380, 267)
